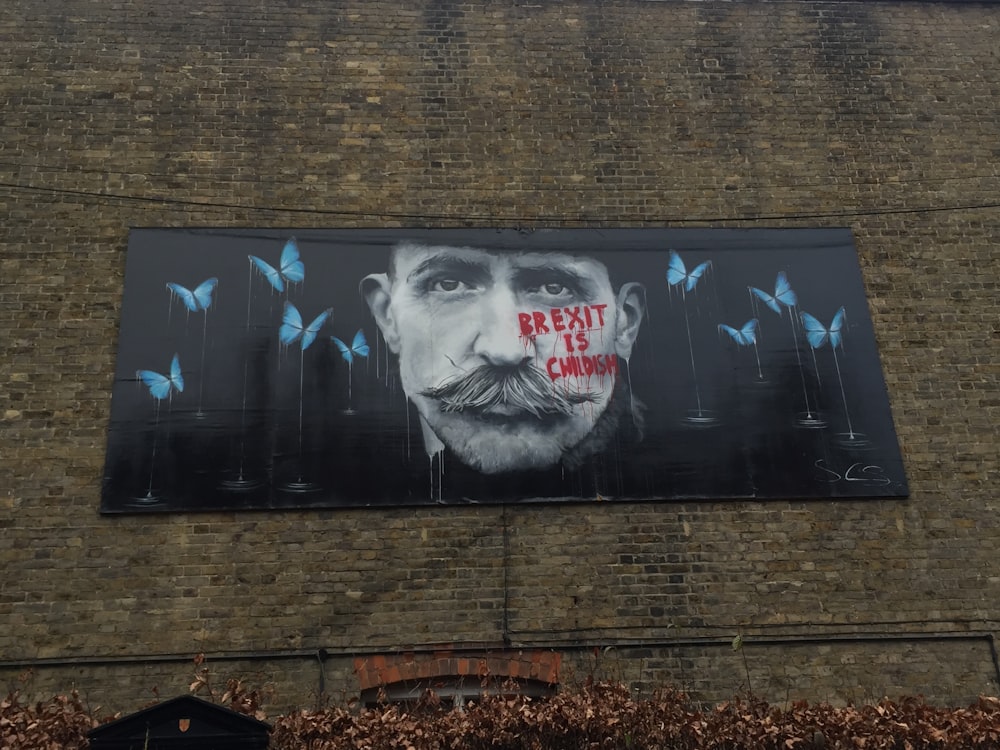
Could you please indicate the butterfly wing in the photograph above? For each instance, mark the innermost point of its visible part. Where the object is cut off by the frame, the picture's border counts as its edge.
(676, 270)
(748, 333)
(176, 378)
(835, 328)
(345, 350)
(783, 292)
(290, 266)
(360, 344)
(310, 331)
(816, 332)
(733, 333)
(291, 324)
(766, 298)
(744, 336)
(203, 294)
(696, 274)
(159, 385)
(185, 295)
(272, 276)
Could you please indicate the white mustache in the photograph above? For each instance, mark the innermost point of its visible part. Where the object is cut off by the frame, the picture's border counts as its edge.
(522, 388)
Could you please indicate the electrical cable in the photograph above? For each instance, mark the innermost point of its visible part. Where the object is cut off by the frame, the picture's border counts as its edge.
(506, 582)
(686, 187)
(541, 219)
(324, 654)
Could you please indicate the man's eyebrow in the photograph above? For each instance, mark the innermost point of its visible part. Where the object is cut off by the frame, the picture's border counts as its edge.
(450, 263)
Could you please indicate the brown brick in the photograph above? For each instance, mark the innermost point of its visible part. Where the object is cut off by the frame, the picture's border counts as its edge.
(878, 115)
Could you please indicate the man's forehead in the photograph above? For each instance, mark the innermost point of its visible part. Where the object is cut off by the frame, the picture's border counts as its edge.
(409, 258)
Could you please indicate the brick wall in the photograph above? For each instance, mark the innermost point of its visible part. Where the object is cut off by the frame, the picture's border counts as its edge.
(881, 116)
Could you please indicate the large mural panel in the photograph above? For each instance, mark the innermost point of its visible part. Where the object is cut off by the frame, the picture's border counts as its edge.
(369, 367)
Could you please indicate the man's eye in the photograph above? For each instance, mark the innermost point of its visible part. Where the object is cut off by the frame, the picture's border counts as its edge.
(553, 289)
(449, 285)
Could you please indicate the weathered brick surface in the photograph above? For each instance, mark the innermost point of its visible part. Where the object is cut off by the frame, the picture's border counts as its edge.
(878, 115)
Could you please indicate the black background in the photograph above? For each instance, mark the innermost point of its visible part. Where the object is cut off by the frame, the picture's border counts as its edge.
(244, 403)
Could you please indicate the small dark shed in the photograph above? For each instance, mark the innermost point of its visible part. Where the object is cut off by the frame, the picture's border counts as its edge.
(185, 722)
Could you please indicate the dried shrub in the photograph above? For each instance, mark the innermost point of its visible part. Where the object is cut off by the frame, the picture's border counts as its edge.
(238, 696)
(606, 716)
(60, 723)
(601, 716)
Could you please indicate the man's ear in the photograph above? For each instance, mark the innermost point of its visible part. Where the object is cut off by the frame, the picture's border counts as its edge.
(631, 311)
(376, 289)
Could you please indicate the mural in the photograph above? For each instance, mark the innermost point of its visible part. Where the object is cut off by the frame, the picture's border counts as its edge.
(345, 368)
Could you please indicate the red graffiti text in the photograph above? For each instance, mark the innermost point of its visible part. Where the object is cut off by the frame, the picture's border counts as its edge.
(582, 365)
(559, 319)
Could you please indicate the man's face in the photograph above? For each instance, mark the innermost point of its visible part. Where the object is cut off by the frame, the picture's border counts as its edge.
(509, 358)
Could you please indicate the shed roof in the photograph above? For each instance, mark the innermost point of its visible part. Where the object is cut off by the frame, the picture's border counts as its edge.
(185, 721)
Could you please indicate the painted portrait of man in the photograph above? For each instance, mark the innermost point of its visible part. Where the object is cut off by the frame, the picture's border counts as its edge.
(271, 368)
(513, 360)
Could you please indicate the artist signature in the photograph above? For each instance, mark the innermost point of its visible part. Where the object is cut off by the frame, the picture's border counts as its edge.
(869, 475)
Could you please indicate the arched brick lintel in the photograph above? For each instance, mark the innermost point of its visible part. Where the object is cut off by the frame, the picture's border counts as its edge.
(386, 669)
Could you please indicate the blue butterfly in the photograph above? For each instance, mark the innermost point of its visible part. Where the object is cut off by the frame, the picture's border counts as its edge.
(818, 334)
(200, 298)
(745, 336)
(290, 268)
(358, 347)
(677, 272)
(160, 386)
(292, 329)
(783, 294)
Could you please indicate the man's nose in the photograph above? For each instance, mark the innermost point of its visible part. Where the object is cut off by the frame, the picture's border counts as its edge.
(499, 341)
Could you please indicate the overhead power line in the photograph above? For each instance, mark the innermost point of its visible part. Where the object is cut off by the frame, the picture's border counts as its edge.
(105, 197)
